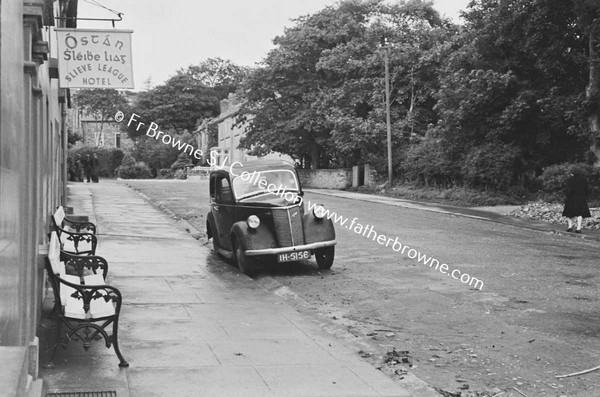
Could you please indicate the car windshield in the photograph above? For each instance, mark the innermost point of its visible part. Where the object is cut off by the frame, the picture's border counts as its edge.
(254, 183)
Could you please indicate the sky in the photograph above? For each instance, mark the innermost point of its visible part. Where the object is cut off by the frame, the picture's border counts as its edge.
(173, 34)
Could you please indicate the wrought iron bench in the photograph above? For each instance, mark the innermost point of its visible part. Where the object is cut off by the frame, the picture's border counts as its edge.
(73, 233)
(84, 305)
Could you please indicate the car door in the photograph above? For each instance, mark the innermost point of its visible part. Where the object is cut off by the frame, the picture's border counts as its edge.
(223, 210)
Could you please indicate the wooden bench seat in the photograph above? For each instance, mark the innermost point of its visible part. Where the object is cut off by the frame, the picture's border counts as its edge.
(85, 306)
(75, 237)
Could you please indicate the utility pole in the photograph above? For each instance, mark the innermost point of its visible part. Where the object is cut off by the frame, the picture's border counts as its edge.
(387, 111)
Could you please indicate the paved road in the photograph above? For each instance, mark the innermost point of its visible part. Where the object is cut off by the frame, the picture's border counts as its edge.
(535, 317)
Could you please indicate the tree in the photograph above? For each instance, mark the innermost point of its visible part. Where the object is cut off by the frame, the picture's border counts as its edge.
(514, 79)
(222, 75)
(587, 13)
(102, 104)
(319, 93)
(189, 95)
(175, 105)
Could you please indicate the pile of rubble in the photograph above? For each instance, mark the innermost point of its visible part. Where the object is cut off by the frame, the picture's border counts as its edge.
(552, 213)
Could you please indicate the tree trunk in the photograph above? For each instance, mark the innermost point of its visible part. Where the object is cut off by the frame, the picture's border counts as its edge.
(592, 94)
(314, 155)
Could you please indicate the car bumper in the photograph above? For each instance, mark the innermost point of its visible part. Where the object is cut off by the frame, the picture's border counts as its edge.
(275, 251)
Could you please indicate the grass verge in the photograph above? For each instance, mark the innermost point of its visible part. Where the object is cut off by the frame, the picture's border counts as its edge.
(458, 196)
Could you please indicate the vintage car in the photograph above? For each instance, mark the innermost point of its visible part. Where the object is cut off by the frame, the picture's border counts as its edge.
(257, 211)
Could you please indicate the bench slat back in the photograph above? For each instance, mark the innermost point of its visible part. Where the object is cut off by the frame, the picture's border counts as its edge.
(54, 255)
(59, 216)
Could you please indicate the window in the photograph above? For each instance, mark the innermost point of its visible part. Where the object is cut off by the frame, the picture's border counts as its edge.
(118, 140)
(224, 194)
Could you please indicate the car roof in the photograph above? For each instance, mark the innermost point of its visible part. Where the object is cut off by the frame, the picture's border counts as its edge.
(255, 165)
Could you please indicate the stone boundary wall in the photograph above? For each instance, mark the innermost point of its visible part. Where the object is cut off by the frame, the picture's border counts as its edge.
(336, 178)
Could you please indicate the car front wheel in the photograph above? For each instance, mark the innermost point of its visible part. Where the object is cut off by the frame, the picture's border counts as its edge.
(241, 260)
(215, 241)
(325, 257)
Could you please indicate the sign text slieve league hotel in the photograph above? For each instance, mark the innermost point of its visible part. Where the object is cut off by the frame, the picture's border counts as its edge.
(94, 58)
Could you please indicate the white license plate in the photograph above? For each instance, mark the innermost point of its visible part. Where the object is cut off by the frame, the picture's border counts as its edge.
(293, 256)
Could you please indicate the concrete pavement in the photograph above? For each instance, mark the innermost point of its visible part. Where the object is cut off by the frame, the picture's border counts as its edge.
(193, 326)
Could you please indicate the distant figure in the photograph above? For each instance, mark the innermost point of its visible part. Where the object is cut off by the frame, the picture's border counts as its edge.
(70, 170)
(95, 165)
(78, 169)
(87, 167)
(576, 201)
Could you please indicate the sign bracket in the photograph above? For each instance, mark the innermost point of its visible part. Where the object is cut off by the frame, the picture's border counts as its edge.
(113, 20)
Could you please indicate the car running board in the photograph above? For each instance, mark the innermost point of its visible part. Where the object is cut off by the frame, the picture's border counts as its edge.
(225, 253)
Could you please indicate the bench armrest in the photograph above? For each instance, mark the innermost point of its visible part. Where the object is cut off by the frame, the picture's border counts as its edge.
(79, 226)
(80, 262)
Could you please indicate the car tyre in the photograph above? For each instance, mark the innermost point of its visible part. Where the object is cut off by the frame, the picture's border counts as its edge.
(215, 242)
(324, 257)
(215, 239)
(241, 260)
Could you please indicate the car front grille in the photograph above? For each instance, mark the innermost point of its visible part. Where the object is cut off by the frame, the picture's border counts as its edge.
(288, 226)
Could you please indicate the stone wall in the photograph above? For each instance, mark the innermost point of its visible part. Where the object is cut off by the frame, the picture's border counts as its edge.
(336, 178)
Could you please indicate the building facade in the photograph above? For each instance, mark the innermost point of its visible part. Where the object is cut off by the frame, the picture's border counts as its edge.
(107, 135)
(95, 133)
(230, 133)
(33, 144)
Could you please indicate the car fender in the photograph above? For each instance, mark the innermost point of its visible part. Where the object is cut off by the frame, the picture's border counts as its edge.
(210, 225)
(316, 230)
(253, 239)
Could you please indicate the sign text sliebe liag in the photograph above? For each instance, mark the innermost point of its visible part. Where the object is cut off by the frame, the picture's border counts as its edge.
(94, 58)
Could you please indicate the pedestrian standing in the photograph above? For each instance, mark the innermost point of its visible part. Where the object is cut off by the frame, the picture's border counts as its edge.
(87, 167)
(78, 169)
(70, 170)
(95, 167)
(576, 205)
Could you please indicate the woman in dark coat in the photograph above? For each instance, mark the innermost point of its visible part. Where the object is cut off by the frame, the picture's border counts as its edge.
(94, 165)
(576, 202)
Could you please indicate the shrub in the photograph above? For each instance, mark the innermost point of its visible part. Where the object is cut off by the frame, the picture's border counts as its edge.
(155, 154)
(491, 165)
(180, 174)
(165, 173)
(427, 164)
(554, 179)
(183, 161)
(130, 169)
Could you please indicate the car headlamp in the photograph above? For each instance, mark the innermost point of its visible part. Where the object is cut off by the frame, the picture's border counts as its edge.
(253, 221)
(319, 212)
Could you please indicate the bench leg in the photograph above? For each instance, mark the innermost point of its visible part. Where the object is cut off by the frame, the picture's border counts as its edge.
(54, 311)
(115, 337)
(50, 363)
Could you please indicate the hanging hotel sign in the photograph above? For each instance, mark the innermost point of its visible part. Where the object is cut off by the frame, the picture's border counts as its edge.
(94, 58)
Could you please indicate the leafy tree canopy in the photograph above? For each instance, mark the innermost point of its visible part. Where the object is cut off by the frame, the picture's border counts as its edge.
(516, 76)
(319, 95)
(102, 104)
(190, 95)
